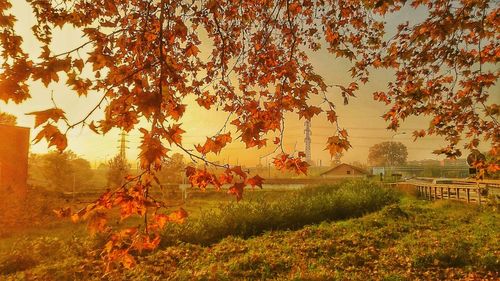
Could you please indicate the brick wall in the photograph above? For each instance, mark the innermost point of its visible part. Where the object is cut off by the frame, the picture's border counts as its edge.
(14, 149)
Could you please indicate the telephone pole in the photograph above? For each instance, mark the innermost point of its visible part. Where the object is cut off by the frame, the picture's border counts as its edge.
(307, 140)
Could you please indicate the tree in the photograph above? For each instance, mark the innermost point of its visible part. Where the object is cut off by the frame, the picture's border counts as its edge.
(60, 171)
(83, 173)
(388, 153)
(172, 170)
(8, 119)
(118, 168)
(57, 170)
(250, 60)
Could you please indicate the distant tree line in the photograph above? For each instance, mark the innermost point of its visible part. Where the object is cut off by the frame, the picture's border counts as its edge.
(7, 119)
(67, 171)
(60, 171)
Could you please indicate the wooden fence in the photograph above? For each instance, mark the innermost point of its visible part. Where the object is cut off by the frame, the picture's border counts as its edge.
(468, 193)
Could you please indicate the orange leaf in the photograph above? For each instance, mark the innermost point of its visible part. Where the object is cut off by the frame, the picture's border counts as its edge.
(53, 136)
(152, 151)
(237, 170)
(174, 134)
(255, 181)
(192, 50)
(62, 212)
(226, 177)
(331, 116)
(43, 116)
(93, 127)
(78, 63)
(237, 190)
(161, 220)
(337, 145)
(178, 216)
(215, 144)
(97, 223)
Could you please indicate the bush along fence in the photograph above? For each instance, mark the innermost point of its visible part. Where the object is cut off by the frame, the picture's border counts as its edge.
(292, 211)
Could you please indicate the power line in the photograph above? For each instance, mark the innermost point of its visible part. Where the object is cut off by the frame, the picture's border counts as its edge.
(368, 146)
(359, 128)
(384, 138)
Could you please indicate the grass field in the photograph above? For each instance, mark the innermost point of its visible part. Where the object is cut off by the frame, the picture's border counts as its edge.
(33, 217)
(326, 233)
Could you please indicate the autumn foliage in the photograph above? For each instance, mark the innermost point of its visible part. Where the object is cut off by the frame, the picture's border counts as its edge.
(388, 153)
(7, 119)
(249, 59)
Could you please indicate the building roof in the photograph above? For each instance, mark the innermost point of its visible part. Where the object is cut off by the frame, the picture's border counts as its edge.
(344, 164)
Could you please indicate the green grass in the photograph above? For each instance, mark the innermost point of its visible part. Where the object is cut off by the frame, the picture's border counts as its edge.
(291, 210)
(33, 217)
(409, 240)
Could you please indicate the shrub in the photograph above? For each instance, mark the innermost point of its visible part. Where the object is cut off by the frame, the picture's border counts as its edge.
(291, 211)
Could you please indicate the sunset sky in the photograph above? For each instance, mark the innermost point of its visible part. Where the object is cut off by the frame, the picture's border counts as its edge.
(361, 117)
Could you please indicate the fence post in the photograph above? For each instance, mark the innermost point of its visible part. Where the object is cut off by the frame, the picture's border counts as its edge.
(479, 195)
(468, 195)
(449, 189)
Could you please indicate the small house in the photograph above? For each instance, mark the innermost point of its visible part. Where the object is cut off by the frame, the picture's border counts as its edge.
(344, 171)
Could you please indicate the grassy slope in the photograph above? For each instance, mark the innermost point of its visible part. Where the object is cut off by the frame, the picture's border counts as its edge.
(35, 217)
(289, 211)
(412, 240)
(409, 241)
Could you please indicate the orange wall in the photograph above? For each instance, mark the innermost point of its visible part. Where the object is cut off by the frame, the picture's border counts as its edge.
(14, 149)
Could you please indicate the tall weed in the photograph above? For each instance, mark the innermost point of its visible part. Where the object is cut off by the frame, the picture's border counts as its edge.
(291, 211)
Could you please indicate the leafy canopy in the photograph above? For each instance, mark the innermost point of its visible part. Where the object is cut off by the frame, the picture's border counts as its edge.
(60, 171)
(146, 58)
(388, 153)
(118, 168)
(8, 119)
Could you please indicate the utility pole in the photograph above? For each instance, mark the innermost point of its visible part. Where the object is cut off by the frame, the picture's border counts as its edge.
(307, 140)
(123, 156)
(123, 146)
(338, 157)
